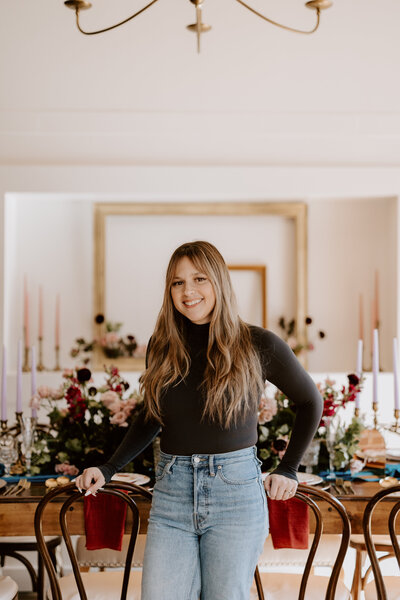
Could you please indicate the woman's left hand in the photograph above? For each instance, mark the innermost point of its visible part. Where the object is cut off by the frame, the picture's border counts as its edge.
(279, 487)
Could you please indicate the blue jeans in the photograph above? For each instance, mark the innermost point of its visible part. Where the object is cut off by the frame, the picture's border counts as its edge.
(207, 527)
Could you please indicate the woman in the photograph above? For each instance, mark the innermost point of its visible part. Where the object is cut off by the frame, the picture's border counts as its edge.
(205, 373)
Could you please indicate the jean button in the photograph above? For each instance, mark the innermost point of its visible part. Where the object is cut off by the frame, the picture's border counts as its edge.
(196, 460)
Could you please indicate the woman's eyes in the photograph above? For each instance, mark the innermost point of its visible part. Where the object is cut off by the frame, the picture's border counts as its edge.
(198, 279)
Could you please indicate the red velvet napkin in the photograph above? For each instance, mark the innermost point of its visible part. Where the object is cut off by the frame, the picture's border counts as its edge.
(288, 523)
(104, 521)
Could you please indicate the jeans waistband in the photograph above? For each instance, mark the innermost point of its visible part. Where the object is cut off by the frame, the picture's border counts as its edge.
(199, 460)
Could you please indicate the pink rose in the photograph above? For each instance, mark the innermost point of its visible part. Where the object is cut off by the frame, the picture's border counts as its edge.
(57, 394)
(68, 373)
(267, 409)
(35, 402)
(109, 398)
(127, 410)
(67, 469)
(292, 342)
(115, 407)
(43, 391)
(119, 419)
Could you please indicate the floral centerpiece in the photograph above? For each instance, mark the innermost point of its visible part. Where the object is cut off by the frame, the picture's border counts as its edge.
(341, 441)
(111, 343)
(86, 423)
(288, 333)
(276, 414)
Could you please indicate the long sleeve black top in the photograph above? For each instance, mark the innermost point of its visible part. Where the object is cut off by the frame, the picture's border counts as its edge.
(185, 432)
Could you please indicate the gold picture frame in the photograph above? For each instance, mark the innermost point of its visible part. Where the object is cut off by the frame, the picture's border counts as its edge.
(261, 270)
(296, 211)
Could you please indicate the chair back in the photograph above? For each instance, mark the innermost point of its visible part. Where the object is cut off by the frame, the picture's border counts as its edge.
(70, 496)
(369, 542)
(310, 495)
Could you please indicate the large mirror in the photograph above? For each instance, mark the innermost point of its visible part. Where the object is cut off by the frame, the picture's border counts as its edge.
(134, 241)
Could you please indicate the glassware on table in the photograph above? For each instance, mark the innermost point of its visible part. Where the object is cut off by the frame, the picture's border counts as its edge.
(311, 456)
(28, 428)
(8, 452)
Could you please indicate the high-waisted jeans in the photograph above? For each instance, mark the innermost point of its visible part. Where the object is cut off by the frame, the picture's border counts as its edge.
(207, 527)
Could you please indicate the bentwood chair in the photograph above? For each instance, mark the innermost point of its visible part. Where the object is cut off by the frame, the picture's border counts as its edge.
(8, 588)
(382, 587)
(107, 585)
(309, 586)
(16, 546)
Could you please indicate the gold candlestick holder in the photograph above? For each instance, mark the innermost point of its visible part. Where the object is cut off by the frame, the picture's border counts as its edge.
(395, 428)
(356, 412)
(40, 366)
(4, 426)
(57, 351)
(26, 367)
(18, 419)
(375, 409)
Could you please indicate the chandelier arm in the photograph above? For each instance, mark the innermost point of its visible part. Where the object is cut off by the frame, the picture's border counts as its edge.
(112, 26)
(280, 24)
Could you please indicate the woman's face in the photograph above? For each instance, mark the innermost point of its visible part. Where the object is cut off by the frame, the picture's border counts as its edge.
(192, 292)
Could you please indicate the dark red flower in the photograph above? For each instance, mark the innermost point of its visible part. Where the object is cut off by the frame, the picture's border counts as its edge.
(353, 379)
(279, 445)
(77, 405)
(83, 375)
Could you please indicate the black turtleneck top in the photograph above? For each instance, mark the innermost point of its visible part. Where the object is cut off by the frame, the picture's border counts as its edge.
(184, 432)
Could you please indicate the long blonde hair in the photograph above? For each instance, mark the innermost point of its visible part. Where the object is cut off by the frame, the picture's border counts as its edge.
(232, 379)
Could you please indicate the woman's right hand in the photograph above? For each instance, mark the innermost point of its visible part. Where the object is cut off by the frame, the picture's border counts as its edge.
(90, 480)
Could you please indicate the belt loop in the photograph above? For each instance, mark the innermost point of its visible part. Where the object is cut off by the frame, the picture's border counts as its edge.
(211, 465)
(170, 464)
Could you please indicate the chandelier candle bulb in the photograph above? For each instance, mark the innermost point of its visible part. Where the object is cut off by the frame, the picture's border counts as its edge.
(4, 387)
(396, 374)
(33, 378)
(19, 377)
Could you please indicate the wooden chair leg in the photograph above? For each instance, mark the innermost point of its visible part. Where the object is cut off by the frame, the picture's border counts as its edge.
(356, 584)
(260, 591)
(40, 579)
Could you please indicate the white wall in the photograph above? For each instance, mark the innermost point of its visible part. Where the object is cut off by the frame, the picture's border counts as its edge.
(255, 95)
(136, 114)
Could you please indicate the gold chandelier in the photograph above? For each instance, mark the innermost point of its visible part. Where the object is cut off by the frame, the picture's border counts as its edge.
(199, 27)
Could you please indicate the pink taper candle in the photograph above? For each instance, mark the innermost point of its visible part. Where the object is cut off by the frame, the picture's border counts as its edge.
(361, 316)
(57, 331)
(19, 377)
(33, 378)
(376, 303)
(40, 312)
(4, 387)
(359, 367)
(396, 374)
(26, 314)
(375, 367)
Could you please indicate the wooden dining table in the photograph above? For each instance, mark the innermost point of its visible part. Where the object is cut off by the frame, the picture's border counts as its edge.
(17, 512)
